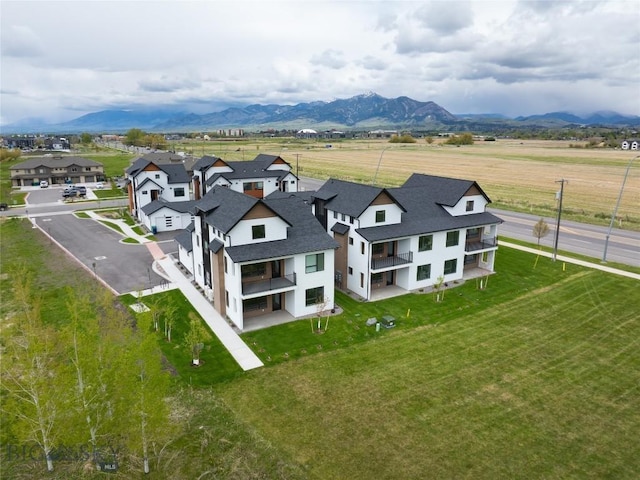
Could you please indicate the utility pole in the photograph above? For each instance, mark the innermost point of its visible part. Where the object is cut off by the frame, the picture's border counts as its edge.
(297, 167)
(555, 244)
(615, 210)
(379, 162)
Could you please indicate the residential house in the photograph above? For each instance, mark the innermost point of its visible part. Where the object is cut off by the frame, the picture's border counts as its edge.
(406, 238)
(630, 144)
(258, 178)
(149, 180)
(56, 170)
(256, 256)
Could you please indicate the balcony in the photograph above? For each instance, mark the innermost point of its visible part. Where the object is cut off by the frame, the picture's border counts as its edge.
(266, 285)
(477, 245)
(392, 261)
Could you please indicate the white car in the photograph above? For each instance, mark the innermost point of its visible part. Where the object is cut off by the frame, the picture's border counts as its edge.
(99, 185)
(44, 184)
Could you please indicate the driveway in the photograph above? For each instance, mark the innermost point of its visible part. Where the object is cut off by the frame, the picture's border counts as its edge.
(124, 267)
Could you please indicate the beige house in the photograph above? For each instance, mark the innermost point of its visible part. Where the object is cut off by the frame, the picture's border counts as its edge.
(56, 170)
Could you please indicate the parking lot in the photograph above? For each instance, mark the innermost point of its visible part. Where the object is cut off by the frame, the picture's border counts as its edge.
(125, 267)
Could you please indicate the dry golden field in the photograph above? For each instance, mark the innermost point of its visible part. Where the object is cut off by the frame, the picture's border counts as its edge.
(517, 175)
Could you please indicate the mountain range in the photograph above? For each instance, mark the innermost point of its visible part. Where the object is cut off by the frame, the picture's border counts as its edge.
(362, 112)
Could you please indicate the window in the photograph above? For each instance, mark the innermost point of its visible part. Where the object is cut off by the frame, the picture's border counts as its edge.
(168, 221)
(314, 296)
(253, 304)
(361, 280)
(351, 220)
(377, 279)
(469, 206)
(198, 240)
(485, 257)
(157, 176)
(350, 271)
(314, 263)
(258, 231)
(342, 217)
(424, 272)
(380, 215)
(178, 192)
(425, 242)
(253, 270)
(335, 215)
(450, 266)
(144, 192)
(350, 240)
(226, 269)
(453, 238)
(377, 249)
(473, 232)
(362, 248)
(87, 169)
(74, 169)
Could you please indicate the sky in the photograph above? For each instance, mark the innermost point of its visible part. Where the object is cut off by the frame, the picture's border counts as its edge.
(61, 60)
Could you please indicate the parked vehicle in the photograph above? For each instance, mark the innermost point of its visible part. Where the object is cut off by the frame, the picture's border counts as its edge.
(70, 193)
(44, 184)
(4, 206)
(82, 190)
(99, 185)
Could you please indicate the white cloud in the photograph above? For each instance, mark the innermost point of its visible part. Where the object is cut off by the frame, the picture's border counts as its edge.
(505, 56)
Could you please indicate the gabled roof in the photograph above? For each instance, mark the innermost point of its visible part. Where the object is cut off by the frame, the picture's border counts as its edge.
(350, 198)
(176, 173)
(205, 162)
(425, 213)
(305, 234)
(224, 208)
(180, 207)
(55, 162)
(443, 190)
(149, 180)
(267, 160)
(248, 173)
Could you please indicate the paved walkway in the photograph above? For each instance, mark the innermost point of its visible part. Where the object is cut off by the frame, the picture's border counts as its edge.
(575, 261)
(218, 325)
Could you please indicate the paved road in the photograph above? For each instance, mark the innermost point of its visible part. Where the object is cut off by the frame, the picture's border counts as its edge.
(580, 238)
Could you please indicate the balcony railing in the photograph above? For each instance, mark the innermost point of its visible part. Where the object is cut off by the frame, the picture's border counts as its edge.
(393, 261)
(265, 285)
(477, 245)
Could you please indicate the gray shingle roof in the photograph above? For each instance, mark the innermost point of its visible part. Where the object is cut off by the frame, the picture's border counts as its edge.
(176, 173)
(305, 235)
(443, 190)
(349, 198)
(180, 207)
(55, 162)
(205, 162)
(185, 240)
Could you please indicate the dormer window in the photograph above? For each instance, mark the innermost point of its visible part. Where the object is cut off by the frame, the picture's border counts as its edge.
(380, 216)
(469, 206)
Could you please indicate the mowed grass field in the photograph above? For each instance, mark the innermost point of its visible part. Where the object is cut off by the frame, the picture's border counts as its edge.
(544, 384)
(517, 175)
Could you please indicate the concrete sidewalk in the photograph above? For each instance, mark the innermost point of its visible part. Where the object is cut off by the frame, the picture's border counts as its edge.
(575, 261)
(229, 338)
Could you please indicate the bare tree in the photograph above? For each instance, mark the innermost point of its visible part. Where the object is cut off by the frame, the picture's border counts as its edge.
(540, 230)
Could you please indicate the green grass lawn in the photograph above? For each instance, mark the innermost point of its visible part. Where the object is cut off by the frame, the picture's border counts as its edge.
(536, 377)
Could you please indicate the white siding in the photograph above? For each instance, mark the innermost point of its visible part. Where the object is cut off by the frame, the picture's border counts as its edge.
(275, 229)
(479, 204)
